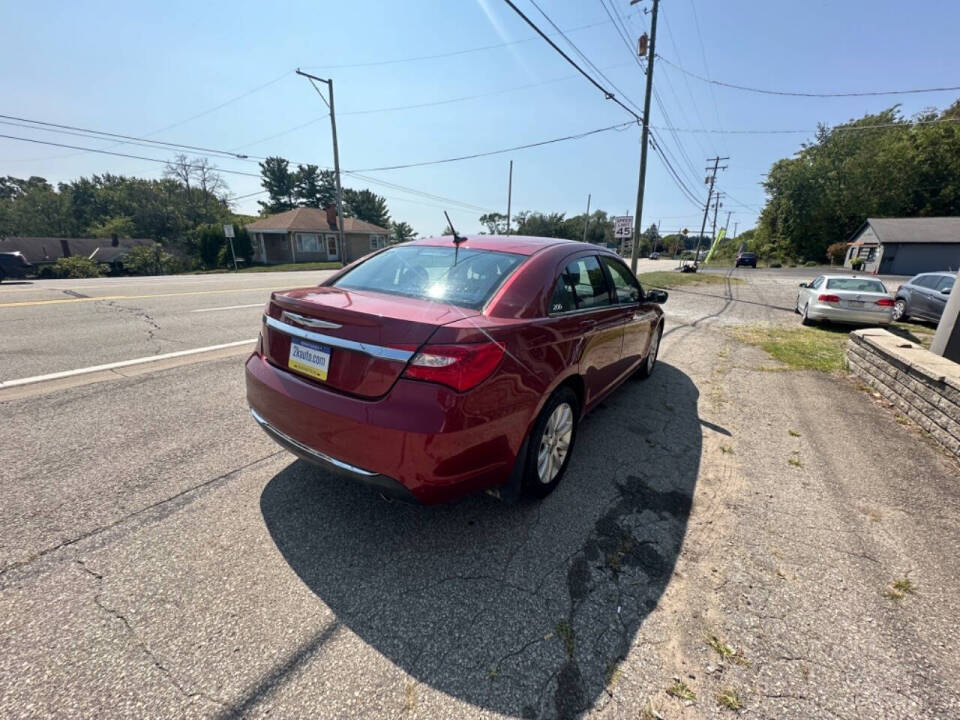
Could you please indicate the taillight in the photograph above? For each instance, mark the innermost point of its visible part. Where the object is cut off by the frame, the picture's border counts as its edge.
(828, 298)
(460, 367)
(885, 302)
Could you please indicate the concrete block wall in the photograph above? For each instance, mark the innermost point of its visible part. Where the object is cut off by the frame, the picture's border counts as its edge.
(925, 387)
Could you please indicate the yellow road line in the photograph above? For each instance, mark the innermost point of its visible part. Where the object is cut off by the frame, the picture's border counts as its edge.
(28, 303)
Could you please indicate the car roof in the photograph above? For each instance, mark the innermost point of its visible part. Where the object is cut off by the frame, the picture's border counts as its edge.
(519, 244)
(850, 277)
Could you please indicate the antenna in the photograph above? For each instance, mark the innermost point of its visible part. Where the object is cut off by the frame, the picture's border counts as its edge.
(457, 239)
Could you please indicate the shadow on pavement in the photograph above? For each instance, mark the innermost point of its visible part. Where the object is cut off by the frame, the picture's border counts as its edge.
(522, 609)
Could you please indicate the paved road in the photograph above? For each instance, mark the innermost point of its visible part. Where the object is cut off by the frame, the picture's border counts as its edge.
(56, 325)
(160, 557)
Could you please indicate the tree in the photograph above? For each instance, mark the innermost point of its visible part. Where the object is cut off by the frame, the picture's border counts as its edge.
(314, 187)
(121, 226)
(367, 205)
(401, 232)
(496, 223)
(649, 239)
(208, 239)
(279, 183)
(882, 165)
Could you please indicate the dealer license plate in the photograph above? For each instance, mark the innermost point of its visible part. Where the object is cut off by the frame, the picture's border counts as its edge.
(309, 358)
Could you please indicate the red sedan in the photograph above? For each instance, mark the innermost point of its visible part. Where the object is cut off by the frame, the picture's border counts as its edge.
(434, 369)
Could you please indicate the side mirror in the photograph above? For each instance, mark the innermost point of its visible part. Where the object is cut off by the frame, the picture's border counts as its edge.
(803, 285)
(657, 296)
(945, 291)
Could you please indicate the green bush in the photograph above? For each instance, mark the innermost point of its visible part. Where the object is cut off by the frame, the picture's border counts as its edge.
(776, 264)
(151, 260)
(810, 263)
(78, 267)
(856, 263)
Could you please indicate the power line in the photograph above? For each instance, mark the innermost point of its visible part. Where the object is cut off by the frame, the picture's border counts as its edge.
(706, 65)
(790, 93)
(578, 136)
(412, 191)
(437, 56)
(607, 94)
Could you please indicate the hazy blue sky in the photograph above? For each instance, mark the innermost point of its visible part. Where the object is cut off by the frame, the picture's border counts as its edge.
(139, 68)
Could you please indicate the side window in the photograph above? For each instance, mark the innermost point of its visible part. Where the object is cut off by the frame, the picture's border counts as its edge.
(817, 283)
(626, 287)
(562, 300)
(925, 281)
(946, 283)
(585, 283)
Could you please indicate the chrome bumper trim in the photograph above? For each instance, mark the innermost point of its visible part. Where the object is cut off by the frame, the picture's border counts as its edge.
(316, 454)
(379, 351)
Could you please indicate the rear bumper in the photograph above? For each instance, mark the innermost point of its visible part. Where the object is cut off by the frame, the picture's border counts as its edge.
(420, 440)
(818, 311)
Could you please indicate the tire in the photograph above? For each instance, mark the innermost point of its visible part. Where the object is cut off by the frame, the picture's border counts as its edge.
(650, 361)
(805, 320)
(541, 474)
(796, 306)
(900, 310)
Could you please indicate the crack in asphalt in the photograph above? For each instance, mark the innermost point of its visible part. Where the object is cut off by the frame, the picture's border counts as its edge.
(140, 643)
(187, 496)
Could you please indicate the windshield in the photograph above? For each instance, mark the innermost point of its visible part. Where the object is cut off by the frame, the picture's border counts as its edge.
(429, 273)
(856, 285)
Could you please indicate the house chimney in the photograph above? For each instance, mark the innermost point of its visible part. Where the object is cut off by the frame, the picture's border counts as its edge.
(332, 216)
(65, 247)
(114, 240)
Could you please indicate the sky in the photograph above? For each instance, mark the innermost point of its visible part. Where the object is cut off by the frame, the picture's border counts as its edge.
(221, 76)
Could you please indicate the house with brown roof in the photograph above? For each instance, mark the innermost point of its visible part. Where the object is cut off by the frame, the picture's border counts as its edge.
(307, 234)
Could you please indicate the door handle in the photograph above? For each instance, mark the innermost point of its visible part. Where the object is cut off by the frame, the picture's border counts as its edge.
(587, 324)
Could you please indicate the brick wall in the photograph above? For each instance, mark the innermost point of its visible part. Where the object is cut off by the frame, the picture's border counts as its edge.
(925, 387)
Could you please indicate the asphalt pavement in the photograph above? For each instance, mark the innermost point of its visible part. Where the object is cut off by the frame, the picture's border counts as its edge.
(161, 557)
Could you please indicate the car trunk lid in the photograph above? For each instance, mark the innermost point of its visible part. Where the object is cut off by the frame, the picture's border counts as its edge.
(367, 337)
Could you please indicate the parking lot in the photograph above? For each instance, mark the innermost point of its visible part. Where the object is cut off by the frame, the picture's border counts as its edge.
(731, 527)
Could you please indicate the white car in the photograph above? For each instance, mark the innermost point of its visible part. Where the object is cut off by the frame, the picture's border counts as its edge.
(845, 299)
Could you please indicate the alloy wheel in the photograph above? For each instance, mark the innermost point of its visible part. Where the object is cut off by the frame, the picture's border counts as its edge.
(899, 308)
(652, 352)
(555, 443)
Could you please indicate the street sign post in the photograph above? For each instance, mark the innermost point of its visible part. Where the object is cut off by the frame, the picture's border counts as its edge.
(623, 229)
(228, 234)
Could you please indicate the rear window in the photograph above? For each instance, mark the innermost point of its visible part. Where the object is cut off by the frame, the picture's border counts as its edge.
(429, 273)
(749, 256)
(856, 285)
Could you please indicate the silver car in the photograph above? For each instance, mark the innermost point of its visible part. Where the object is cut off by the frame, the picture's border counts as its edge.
(845, 299)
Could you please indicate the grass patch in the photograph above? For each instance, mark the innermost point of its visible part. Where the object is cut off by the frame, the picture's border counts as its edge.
(726, 450)
(727, 651)
(900, 589)
(796, 462)
(800, 348)
(793, 433)
(649, 711)
(730, 699)
(667, 279)
(680, 690)
(565, 633)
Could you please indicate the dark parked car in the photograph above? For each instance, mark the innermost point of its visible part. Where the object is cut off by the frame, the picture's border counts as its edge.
(431, 371)
(746, 258)
(13, 265)
(924, 297)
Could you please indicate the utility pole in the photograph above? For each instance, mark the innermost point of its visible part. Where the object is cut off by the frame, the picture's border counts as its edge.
(586, 219)
(716, 206)
(635, 254)
(509, 195)
(336, 154)
(735, 225)
(711, 179)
